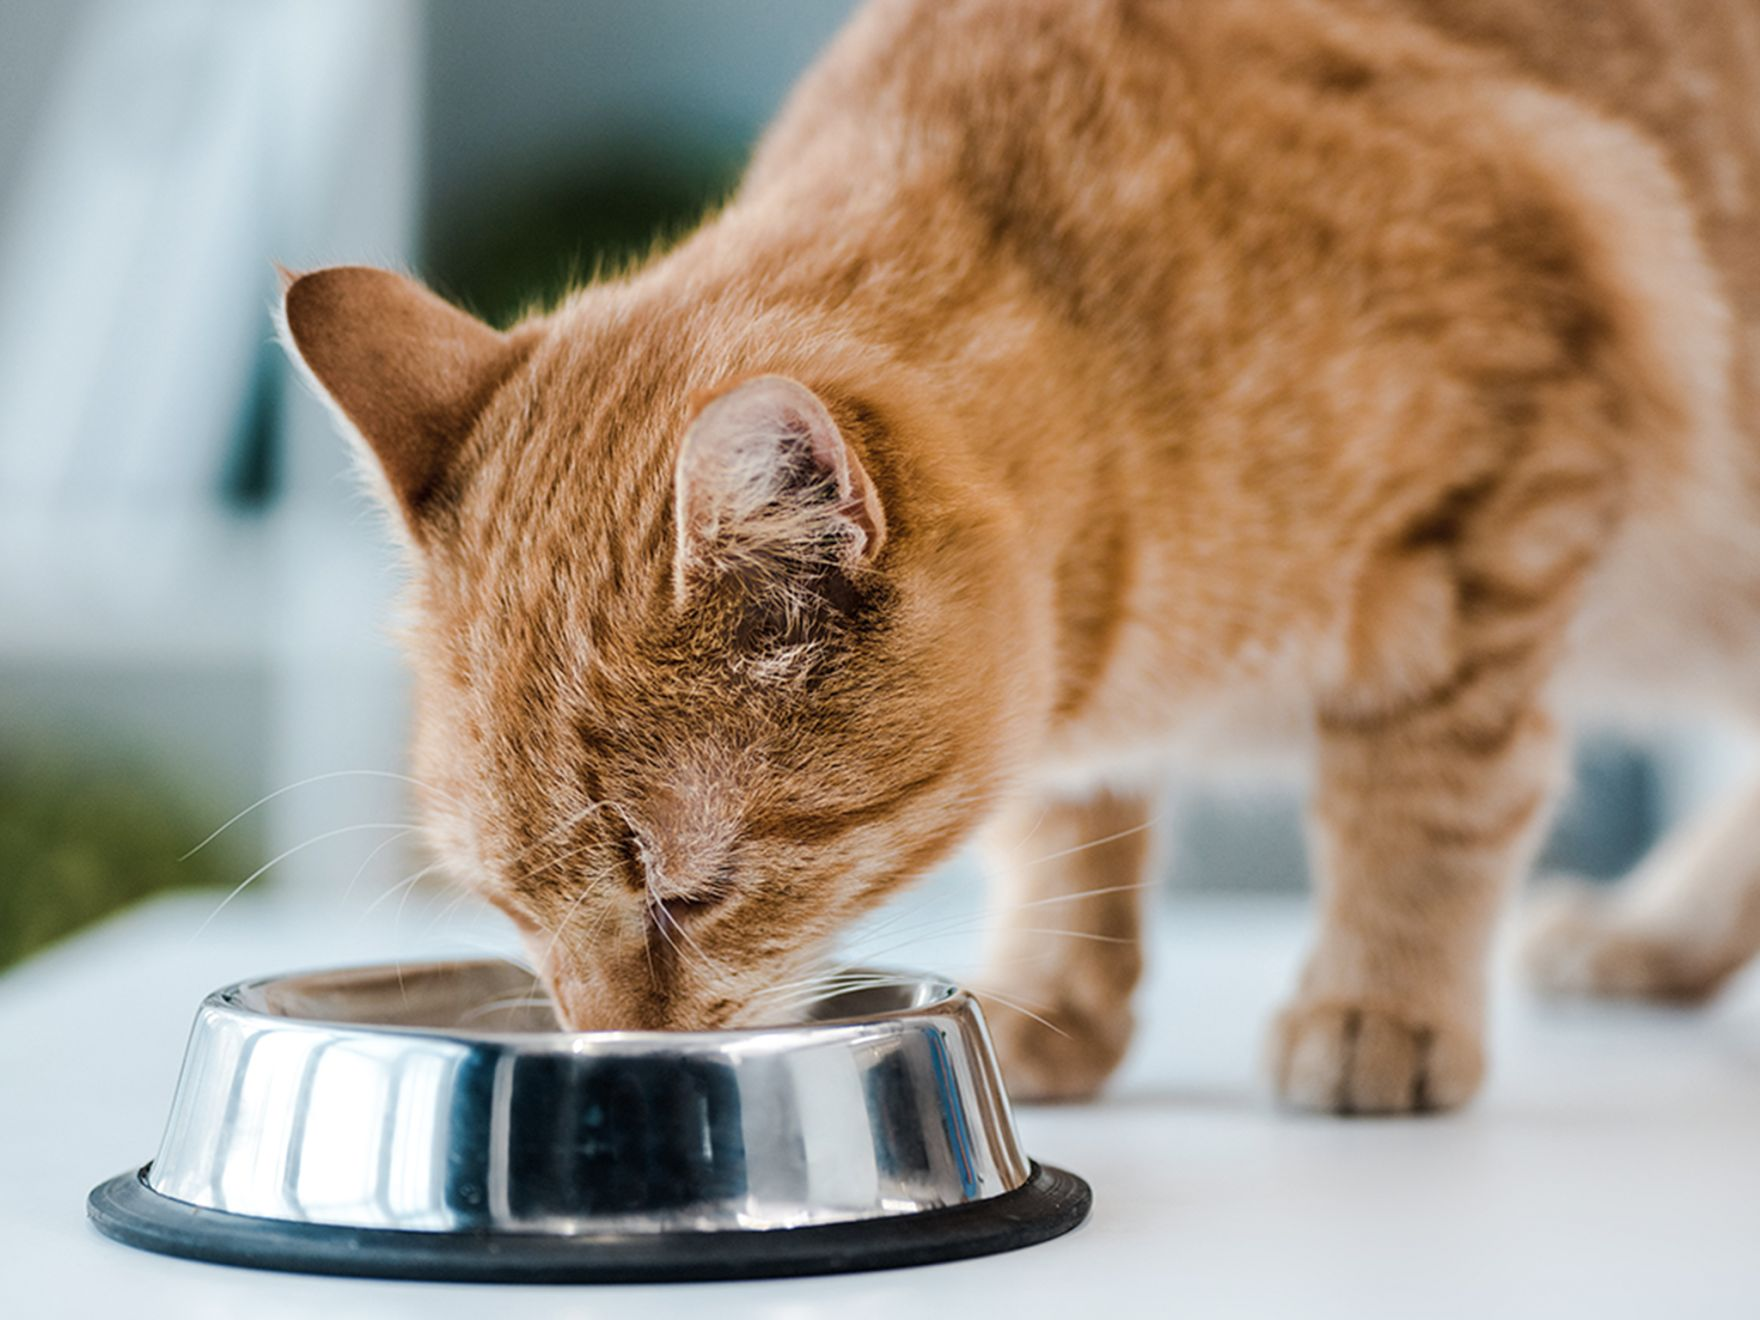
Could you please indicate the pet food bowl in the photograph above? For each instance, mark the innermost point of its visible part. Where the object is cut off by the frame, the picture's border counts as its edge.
(434, 1122)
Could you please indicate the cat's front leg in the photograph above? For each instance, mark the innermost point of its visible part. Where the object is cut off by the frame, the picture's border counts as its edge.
(1421, 824)
(1437, 767)
(1063, 949)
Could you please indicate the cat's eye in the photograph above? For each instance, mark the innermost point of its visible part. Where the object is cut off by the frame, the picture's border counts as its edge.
(685, 907)
(678, 908)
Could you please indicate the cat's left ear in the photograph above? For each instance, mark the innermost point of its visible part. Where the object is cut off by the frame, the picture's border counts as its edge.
(407, 372)
(767, 483)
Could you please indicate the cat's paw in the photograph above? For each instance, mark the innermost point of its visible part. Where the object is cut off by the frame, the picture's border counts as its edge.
(1063, 1055)
(1576, 942)
(1339, 1057)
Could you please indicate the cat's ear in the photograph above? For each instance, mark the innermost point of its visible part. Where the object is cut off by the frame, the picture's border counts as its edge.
(767, 483)
(407, 371)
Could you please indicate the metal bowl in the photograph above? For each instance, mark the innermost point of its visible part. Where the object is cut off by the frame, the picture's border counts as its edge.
(434, 1121)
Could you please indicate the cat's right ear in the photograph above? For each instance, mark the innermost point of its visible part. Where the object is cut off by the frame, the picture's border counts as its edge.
(407, 372)
(769, 491)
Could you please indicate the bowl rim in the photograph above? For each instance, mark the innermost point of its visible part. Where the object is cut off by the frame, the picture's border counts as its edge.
(950, 999)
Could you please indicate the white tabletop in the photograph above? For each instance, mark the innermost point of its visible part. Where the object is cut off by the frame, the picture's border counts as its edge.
(1611, 1169)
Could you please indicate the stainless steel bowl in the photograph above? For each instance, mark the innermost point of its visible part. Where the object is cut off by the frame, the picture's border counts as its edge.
(433, 1121)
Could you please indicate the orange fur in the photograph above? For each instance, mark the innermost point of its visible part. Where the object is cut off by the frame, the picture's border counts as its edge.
(1070, 378)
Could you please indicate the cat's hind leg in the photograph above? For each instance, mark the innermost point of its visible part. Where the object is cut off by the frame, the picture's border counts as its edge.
(1688, 917)
(1677, 929)
(1064, 940)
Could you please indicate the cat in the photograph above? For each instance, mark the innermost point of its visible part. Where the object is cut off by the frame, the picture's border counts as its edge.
(1069, 381)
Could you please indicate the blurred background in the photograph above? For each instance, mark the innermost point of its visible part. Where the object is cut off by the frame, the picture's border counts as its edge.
(194, 592)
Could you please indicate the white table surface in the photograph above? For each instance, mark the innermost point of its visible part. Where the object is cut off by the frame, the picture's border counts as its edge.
(1611, 1169)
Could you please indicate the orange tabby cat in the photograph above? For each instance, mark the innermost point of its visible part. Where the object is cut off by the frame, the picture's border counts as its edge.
(1066, 382)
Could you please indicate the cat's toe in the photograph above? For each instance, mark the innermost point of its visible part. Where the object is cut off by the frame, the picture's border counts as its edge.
(1338, 1057)
(1577, 942)
(1063, 1054)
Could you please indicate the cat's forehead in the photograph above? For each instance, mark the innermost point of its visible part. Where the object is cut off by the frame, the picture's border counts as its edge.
(611, 363)
(558, 528)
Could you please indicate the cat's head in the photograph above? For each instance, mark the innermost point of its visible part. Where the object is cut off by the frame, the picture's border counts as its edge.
(706, 664)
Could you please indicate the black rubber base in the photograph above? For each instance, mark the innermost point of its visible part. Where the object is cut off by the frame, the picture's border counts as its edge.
(1047, 1205)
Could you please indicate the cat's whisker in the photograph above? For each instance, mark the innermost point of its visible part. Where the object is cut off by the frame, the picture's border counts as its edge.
(348, 889)
(703, 961)
(831, 989)
(318, 779)
(1025, 839)
(824, 986)
(665, 934)
(992, 917)
(554, 832)
(492, 953)
(458, 901)
(907, 939)
(979, 925)
(840, 983)
(409, 887)
(648, 950)
(501, 1005)
(1096, 843)
(1076, 897)
(562, 925)
(560, 858)
(783, 993)
(1093, 936)
(913, 908)
(283, 856)
(836, 985)
(799, 1004)
(814, 976)
(401, 887)
(780, 986)
(1008, 1002)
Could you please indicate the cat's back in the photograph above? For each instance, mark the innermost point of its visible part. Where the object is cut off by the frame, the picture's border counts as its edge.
(1128, 158)
(1686, 73)
(1150, 166)
(1081, 108)
(1065, 115)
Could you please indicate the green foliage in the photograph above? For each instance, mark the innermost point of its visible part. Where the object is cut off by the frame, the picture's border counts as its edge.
(523, 251)
(82, 836)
